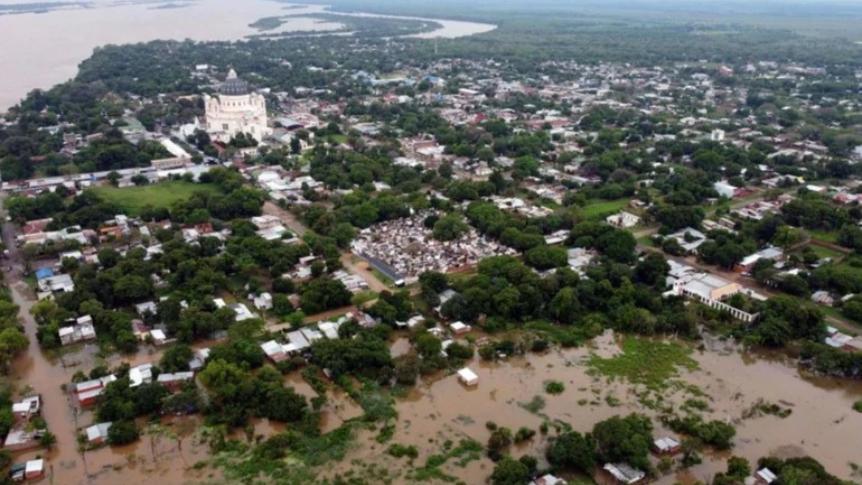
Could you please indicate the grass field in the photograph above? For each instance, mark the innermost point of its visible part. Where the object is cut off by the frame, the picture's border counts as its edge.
(828, 236)
(131, 200)
(602, 208)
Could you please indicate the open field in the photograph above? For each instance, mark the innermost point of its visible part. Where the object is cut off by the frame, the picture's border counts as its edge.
(132, 200)
(601, 208)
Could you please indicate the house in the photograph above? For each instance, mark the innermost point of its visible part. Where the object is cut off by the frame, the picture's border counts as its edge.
(411, 322)
(23, 438)
(262, 301)
(666, 446)
(764, 476)
(199, 359)
(158, 336)
(82, 330)
(146, 308)
(34, 469)
(30, 470)
(548, 479)
(689, 238)
(274, 351)
(623, 220)
(56, 284)
(98, 433)
(140, 329)
(823, 297)
(468, 377)
(88, 392)
(624, 473)
(725, 190)
(173, 381)
(770, 252)
(460, 328)
(141, 374)
(27, 408)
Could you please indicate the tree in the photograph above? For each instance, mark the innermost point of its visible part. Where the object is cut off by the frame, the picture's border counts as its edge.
(544, 257)
(509, 471)
(282, 404)
(323, 294)
(625, 440)
(498, 442)
(12, 341)
(449, 228)
(176, 358)
(122, 432)
(574, 451)
(652, 270)
(114, 178)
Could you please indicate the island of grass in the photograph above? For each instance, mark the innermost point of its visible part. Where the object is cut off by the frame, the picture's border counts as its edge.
(132, 200)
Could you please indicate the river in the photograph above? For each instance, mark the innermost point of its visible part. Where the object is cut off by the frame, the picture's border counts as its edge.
(43, 49)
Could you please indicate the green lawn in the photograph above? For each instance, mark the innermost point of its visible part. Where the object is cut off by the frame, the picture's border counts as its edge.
(131, 200)
(828, 236)
(826, 252)
(596, 209)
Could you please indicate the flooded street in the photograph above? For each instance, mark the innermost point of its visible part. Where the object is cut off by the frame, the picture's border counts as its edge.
(43, 49)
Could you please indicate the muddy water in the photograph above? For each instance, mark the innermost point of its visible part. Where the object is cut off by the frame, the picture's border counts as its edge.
(167, 452)
(822, 424)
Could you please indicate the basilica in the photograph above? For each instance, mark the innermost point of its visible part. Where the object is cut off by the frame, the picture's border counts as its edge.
(234, 110)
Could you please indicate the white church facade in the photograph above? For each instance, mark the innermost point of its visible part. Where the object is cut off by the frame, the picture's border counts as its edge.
(234, 110)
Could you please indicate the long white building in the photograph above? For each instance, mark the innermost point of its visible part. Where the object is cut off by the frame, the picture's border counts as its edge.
(234, 110)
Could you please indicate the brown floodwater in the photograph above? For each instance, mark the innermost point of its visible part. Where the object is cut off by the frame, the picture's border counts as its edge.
(822, 424)
(167, 452)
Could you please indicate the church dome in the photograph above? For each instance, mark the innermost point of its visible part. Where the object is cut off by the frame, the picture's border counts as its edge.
(233, 85)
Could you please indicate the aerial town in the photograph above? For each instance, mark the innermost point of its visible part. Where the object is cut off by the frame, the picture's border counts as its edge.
(377, 259)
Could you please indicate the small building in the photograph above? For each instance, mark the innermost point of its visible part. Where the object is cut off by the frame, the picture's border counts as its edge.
(623, 220)
(548, 479)
(30, 470)
(34, 469)
(823, 297)
(141, 374)
(468, 377)
(274, 351)
(764, 476)
(666, 446)
(173, 381)
(460, 328)
(263, 301)
(27, 408)
(158, 336)
(98, 433)
(624, 473)
(20, 439)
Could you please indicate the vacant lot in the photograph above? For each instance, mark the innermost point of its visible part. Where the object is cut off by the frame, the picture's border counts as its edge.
(133, 199)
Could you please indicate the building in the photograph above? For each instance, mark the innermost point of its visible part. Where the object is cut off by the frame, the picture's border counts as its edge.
(468, 377)
(623, 220)
(770, 252)
(624, 473)
(234, 110)
(764, 476)
(27, 408)
(98, 433)
(666, 446)
(548, 479)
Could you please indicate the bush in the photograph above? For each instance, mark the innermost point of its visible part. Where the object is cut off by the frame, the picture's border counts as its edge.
(122, 432)
(554, 387)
